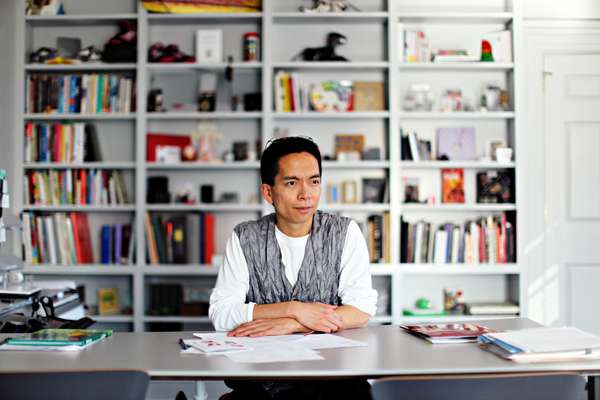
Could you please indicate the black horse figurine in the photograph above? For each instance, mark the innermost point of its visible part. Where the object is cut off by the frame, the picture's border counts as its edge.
(325, 53)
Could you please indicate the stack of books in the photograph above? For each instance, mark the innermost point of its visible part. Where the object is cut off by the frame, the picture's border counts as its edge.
(447, 333)
(542, 344)
(55, 340)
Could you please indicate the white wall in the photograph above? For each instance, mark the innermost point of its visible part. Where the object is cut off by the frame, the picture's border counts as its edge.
(572, 9)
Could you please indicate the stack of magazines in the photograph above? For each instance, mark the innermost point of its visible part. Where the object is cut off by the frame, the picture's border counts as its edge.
(55, 340)
(448, 332)
(542, 344)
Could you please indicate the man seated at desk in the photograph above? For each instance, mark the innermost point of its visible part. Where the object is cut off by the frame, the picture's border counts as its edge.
(297, 270)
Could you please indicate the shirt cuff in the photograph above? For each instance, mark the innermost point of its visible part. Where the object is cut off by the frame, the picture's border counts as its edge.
(369, 309)
(250, 312)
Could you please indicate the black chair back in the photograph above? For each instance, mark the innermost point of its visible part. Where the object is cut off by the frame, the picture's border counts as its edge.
(90, 385)
(541, 387)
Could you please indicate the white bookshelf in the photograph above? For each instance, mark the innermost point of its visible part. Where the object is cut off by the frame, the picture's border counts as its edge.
(377, 24)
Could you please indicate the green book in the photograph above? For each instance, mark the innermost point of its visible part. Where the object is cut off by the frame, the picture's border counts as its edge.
(60, 337)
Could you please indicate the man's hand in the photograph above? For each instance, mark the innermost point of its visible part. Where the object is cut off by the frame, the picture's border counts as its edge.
(317, 316)
(268, 327)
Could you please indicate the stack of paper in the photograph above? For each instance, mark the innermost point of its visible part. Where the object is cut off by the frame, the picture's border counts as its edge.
(268, 348)
(542, 344)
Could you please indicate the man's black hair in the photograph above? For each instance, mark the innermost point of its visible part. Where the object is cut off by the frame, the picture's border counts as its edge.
(278, 148)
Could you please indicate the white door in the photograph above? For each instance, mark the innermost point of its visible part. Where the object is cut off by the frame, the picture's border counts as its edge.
(572, 125)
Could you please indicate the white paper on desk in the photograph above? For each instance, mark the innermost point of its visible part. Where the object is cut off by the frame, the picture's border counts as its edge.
(327, 341)
(274, 352)
(545, 339)
(251, 340)
(213, 346)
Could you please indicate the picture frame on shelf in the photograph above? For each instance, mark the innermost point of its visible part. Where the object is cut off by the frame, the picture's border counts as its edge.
(373, 190)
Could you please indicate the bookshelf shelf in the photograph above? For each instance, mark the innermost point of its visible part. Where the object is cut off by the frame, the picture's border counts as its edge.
(191, 270)
(455, 164)
(171, 115)
(177, 318)
(202, 17)
(456, 17)
(337, 17)
(458, 207)
(450, 318)
(204, 207)
(176, 67)
(87, 165)
(112, 319)
(243, 165)
(82, 269)
(81, 208)
(356, 164)
(332, 115)
(465, 269)
(355, 207)
(456, 66)
(75, 19)
(406, 115)
(334, 65)
(79, 117)
(80, 67)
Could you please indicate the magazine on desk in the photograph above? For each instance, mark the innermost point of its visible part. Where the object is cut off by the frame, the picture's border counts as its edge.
(447, 332)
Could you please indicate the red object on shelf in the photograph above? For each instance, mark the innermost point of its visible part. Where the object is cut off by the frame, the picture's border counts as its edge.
(161, 139)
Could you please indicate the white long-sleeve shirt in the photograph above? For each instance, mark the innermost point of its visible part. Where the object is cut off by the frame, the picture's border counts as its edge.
(228, 308)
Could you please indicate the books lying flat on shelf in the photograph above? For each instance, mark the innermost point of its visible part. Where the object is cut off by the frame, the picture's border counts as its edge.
(56, 339)
(448, 332)
(542, 344)
(492, 308)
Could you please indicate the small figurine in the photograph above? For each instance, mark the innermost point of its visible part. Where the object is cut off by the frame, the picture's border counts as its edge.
(321, 6)
(325, 53)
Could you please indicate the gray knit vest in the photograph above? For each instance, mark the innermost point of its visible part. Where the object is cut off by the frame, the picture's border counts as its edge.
(319, 273)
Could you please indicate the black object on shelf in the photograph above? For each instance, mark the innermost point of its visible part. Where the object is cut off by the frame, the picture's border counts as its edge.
(253, 102)
(158, 190)
(207, 194)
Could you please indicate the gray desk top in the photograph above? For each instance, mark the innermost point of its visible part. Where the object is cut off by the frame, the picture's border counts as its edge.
(391, 352)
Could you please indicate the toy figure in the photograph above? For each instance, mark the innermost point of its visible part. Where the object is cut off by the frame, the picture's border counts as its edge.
(320, 6)
(325, 53)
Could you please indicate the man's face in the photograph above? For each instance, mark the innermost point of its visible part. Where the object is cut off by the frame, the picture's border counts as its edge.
(297, 189)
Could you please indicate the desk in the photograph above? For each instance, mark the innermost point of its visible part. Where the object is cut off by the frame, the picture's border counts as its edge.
(391, 352)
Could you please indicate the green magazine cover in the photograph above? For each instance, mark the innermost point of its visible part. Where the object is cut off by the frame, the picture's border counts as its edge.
(61, 337)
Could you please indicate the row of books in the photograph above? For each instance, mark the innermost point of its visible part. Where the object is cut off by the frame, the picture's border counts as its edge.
(80, 93)
(61, 142)
(377, 233)
(487, 240)
(58, 239)
(117, 244)
(180, 239)
(76, 186)
(289, 94)
(64, 239)
(415, 149)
